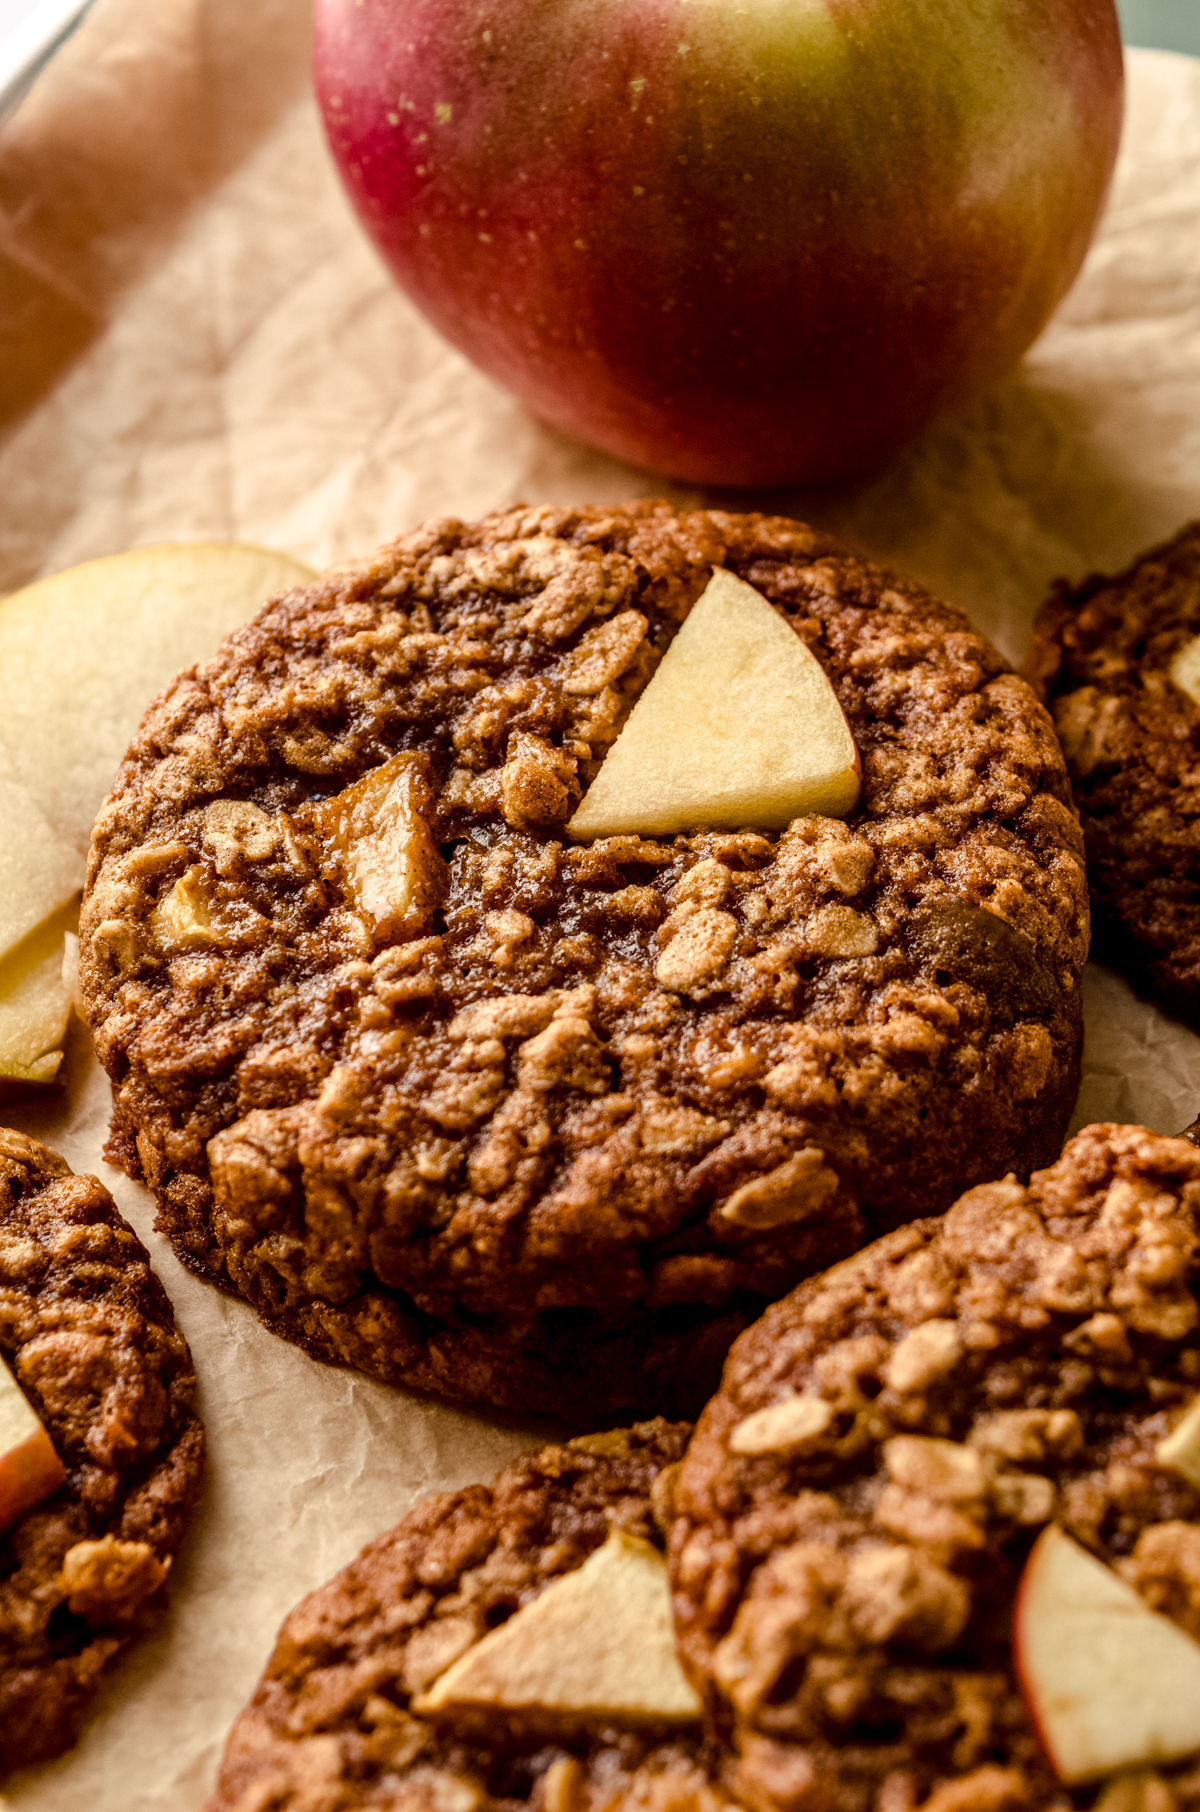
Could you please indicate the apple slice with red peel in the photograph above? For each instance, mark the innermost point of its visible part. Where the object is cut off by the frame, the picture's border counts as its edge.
(738, 727)
(597, 1646)
(1110, 1684)
(29, 1467)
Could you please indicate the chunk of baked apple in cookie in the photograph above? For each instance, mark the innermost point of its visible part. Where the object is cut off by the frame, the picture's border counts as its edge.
(739, 726)
(186, 918)
(375, 840)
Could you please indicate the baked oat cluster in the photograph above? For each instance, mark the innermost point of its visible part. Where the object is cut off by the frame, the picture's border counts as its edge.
(332, 1724)
(859, 1499)
(1106, 659)
(87, 1330)
(451, 1097)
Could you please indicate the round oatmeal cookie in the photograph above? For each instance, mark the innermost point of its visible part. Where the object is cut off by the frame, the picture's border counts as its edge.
(346, 1716)
(859, 1501)
(1103, 659)
(485, 1110)
(87, 1331)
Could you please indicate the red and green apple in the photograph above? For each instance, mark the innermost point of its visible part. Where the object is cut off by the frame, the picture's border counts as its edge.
(740, 241)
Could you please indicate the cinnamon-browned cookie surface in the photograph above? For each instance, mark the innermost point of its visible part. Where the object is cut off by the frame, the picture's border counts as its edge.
(332, 1722)
(86, 1329)
(547, 1136)
(860, 1498)
(1102, 658)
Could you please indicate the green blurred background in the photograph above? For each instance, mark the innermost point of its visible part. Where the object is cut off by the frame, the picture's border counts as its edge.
(1169, 24)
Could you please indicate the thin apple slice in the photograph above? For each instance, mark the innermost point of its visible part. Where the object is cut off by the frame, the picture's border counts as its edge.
(1110, 1683)
(597, 1646)
(738, 727)
(39, 870)
(81, 656)
(29, 1467)
(83, 652)
(34, 1005)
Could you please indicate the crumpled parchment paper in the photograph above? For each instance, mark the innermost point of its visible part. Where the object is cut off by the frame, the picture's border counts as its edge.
(195, 341)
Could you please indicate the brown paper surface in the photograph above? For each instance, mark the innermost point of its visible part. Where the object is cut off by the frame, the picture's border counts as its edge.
(195, 341)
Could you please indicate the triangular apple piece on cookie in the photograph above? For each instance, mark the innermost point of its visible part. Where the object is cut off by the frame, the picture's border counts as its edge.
(1110, 1683)
(739, 727)
(596, 1647)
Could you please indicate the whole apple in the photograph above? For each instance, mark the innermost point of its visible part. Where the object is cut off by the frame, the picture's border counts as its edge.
(743, 242)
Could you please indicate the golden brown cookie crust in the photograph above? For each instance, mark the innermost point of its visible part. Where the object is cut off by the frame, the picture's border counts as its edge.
(1101, 657)
(845, 1601)
(330, 1722)
(547, 1141)
(86, 1328)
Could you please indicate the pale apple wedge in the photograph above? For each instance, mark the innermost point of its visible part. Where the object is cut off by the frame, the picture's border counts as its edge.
(739, 727)
(597, 1646)
(34, 1004)
(82, 654)
(39, 870)
(29, 1467)
(1110, 1683)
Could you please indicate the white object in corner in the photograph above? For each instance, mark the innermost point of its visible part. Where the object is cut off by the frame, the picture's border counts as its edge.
(30, 33)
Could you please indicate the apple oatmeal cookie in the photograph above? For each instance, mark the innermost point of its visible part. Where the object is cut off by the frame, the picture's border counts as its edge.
(453, 1096)
(890, 1441)
(87, 1331)
(1117, 660)
(503, 1647)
